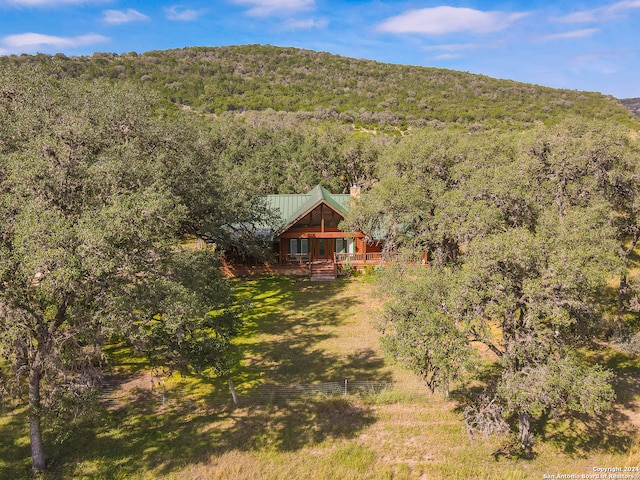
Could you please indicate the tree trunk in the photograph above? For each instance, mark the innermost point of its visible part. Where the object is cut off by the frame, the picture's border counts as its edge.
(624, 285)
(524, 431)
(232, 389)
(35, 432)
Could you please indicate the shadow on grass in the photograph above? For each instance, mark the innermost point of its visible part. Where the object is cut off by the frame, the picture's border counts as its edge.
(280, 344)
(578, 435)
(138, 438)
(573, 433)
(283, 330)
(613, 432)
(295, 425)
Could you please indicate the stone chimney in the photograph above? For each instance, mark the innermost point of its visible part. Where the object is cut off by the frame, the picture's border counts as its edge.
(355, 191)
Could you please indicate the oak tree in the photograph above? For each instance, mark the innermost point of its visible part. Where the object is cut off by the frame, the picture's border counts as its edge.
(532, 222)
(90, 219)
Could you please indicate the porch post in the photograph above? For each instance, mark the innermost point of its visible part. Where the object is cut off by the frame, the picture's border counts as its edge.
(283, 252)
(312, 248)
(364, 247)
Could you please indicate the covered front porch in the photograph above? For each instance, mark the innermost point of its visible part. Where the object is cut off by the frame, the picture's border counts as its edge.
(325, 254)
(308, 247)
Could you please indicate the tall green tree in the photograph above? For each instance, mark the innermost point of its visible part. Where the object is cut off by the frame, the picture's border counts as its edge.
(417, 333)
(608, 158)
(533, 223)
(92, 205)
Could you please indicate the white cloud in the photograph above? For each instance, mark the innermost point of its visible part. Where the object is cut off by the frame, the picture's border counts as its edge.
(118, 17)
(33, 42)
(451, 51)
(451, 47)
(444, 20)
(608, 12)
(585, 32)
(589, 57)
(180, 13)
(264, 8)
(607, 62)
(306, 24)
(447, 56)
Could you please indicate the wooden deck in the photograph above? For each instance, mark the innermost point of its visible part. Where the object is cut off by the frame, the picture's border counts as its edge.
(320, 269)
(356, 259)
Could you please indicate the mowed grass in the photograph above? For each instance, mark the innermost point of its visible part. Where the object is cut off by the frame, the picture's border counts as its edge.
(301, 332)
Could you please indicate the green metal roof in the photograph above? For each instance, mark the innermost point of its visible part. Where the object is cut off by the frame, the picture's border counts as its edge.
(293, 207)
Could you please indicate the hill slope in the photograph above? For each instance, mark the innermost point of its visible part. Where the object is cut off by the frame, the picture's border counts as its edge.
(632, 104)
(255, 77)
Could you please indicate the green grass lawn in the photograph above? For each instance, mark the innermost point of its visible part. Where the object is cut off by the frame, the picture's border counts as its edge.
(301, 332)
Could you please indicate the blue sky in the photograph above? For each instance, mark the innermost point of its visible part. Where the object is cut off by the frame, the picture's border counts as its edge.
(582, 45)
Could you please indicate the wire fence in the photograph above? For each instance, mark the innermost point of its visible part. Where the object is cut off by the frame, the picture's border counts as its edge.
(268, 394)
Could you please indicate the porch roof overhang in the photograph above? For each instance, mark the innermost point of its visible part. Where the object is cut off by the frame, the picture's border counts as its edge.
(294, 207)
(332, 234)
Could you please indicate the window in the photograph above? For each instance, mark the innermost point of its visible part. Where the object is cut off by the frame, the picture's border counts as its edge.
(314, 218)
(299, 246)
(340, 245)
(331, 218)
(351, 245)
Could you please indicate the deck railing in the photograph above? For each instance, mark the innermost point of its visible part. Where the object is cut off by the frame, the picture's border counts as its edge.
(357, 258)
(373, 258)
(296, 258)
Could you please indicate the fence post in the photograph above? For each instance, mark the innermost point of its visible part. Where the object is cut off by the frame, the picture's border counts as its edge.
(345, 386)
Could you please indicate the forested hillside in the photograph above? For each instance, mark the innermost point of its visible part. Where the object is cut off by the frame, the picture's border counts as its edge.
(326, 86)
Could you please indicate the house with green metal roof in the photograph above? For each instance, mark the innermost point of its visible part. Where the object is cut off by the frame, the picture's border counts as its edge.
(309, 239)
(293, 207)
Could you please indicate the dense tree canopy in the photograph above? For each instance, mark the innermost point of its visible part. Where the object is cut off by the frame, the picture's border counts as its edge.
(525, 231)
(93, 203)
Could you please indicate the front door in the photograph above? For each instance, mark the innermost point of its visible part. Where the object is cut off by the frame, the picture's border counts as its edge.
(323, 248)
